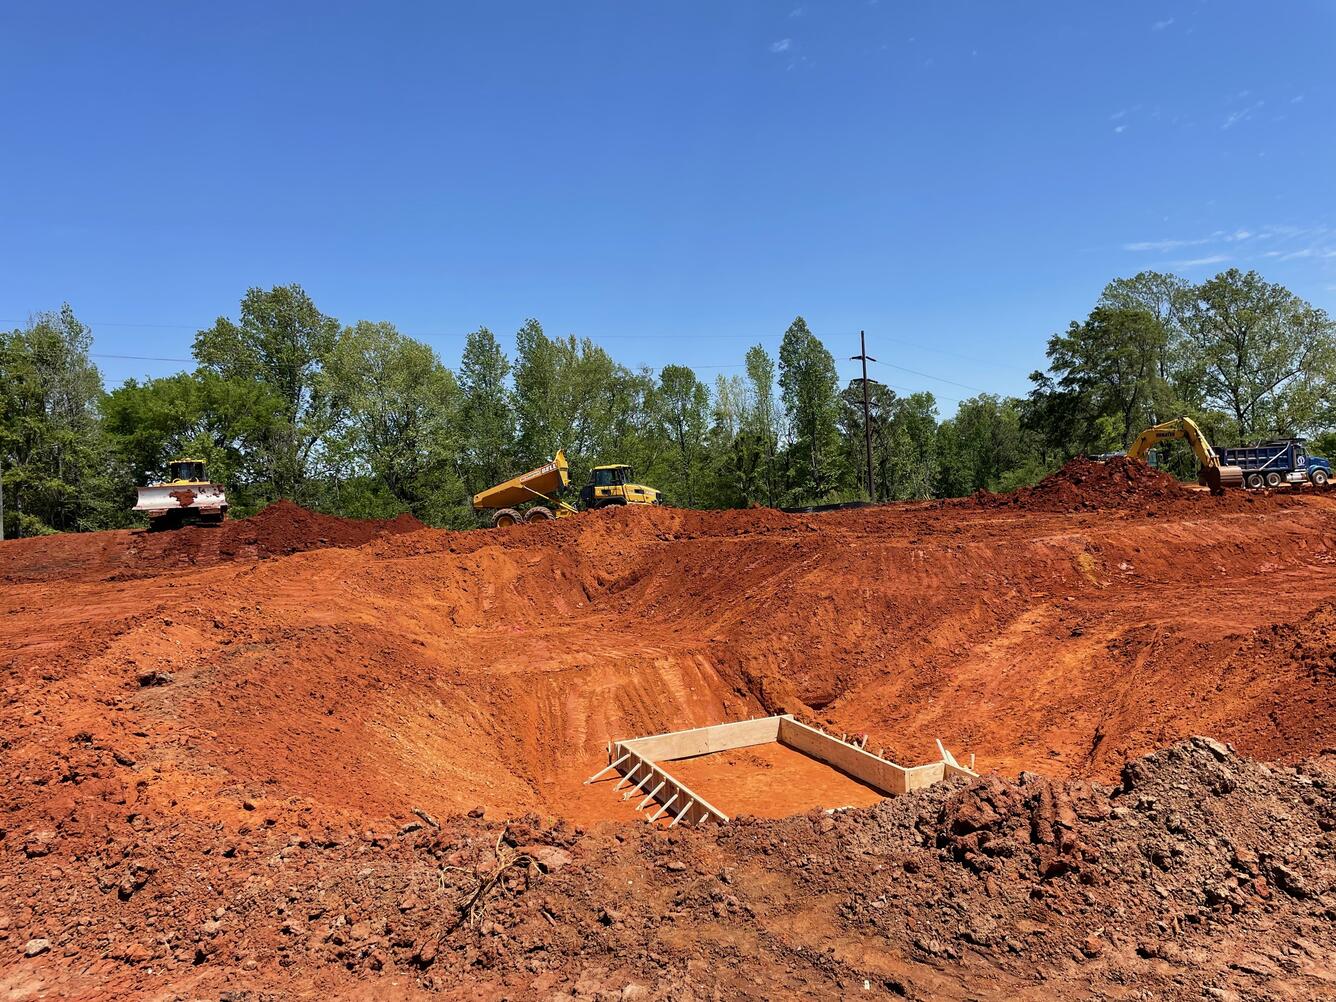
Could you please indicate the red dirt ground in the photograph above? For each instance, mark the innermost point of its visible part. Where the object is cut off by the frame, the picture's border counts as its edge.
(217, 723)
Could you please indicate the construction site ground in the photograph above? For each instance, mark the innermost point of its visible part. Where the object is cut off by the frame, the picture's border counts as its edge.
(302, 757)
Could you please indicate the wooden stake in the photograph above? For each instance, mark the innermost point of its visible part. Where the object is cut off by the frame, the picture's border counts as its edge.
(653, 793)
(662, 809)
(683, 811)
(607, 769)
(639, 787)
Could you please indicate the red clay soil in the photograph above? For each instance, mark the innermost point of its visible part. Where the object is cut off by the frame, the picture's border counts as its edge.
(226, 752)
(1089, 485)
(768, 781)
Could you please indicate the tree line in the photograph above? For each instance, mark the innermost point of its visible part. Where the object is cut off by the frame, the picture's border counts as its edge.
(361, 420)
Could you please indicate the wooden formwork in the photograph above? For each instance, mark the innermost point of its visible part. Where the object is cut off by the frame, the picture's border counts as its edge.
(638, 763)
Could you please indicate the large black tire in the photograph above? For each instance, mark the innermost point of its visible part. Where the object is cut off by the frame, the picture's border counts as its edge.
(505, 518)
(1255, 481)
(1319, 478)
(539, 513)
(1273, 479)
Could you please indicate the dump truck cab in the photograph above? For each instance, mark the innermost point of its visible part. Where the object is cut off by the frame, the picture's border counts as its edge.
(612, 485)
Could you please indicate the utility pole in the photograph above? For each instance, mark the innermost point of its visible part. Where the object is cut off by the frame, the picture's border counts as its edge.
(865, 358)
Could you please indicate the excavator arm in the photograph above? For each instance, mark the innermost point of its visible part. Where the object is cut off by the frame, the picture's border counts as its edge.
(1212, 473)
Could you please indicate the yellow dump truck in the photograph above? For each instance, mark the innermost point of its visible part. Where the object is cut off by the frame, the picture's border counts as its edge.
(608, 485)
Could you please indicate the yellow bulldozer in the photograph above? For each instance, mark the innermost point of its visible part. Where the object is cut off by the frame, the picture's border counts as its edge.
(1211, 473)
(608, 485)
(186, 497)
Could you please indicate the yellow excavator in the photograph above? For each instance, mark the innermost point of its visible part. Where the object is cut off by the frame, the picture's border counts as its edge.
(608, 485)
(1212, 472)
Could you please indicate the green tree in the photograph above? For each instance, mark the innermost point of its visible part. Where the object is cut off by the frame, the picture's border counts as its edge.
(562, 398)
(399, 407)
(809, 386)
(1261, 355)
(486, 421)
(986, 445)
(686, 415)
(881, 410)
(282, 341)
(1111, 363)
(53, 459)
(914, 468)
(761, 423)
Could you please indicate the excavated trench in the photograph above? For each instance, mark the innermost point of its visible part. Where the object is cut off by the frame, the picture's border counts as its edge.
(445, 671)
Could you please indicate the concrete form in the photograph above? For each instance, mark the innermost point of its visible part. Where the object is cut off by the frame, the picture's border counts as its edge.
(638, 760)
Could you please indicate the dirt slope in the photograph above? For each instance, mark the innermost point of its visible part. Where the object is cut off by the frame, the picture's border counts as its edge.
(201, 714)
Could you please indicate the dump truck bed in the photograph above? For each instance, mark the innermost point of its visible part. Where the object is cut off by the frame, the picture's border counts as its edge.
(543, 482)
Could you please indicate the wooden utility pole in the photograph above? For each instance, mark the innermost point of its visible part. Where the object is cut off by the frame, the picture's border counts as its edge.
(865, 358)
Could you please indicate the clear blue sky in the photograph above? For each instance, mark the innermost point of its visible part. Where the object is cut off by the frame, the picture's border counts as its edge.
(672, 180)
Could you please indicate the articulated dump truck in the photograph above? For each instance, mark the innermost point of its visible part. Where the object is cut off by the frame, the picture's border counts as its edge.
(608, 485)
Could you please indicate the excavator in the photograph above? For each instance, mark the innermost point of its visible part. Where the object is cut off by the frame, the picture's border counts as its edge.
(608, 485)
(1212, 473)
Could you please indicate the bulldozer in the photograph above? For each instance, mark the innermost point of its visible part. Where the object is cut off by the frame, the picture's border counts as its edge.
(187, 496)
(1211, 473)
(608, 485)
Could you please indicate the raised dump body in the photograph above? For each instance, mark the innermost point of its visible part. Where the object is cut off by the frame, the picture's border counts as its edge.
(541, 484)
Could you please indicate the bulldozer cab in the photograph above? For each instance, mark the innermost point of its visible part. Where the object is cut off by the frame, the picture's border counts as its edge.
(186, 471)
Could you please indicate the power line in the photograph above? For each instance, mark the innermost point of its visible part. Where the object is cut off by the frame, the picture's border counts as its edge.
(940, 379)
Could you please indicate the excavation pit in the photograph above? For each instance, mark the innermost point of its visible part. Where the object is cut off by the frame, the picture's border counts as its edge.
(768, 767)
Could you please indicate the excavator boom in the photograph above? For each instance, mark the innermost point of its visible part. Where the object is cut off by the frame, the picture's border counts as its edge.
(1214, 475)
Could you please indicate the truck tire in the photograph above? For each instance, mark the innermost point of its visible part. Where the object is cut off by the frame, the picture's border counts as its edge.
(1255, 481)
(505, 518)
(539, 513)
(1273, 479)
(1319, 478)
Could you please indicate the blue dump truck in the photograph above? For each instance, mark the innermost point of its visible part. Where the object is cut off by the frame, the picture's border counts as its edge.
(1274, 463)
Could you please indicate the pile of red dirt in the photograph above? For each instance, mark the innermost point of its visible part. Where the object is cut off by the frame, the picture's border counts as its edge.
(275, 530)
(1091, 485)
(285, 527)
(228, 764)
(1202, 873)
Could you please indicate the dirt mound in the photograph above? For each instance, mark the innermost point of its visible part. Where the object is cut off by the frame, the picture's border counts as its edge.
(1088, 485)
(1201, 873)
(285, 527)
(229, 763)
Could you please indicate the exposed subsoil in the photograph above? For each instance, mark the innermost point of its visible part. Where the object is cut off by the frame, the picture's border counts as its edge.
(244, 759)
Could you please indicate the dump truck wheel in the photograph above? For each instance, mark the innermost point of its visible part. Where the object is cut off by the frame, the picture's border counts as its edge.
(1273, 479)
(1319, 478)
(1255, 481)
(539, 513)
(505, 518)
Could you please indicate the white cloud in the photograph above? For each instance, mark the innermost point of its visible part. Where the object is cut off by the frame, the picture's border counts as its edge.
(1194, 262)
(1161, 25)
(1241, 114)
(1119, 129)
(783, 45)
(796, 12)
(1297, 99)
(1164, 245)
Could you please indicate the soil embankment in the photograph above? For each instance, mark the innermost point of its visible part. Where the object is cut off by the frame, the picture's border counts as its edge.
(200, 725)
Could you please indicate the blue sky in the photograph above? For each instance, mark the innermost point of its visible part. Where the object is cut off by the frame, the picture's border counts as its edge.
(676, 181)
